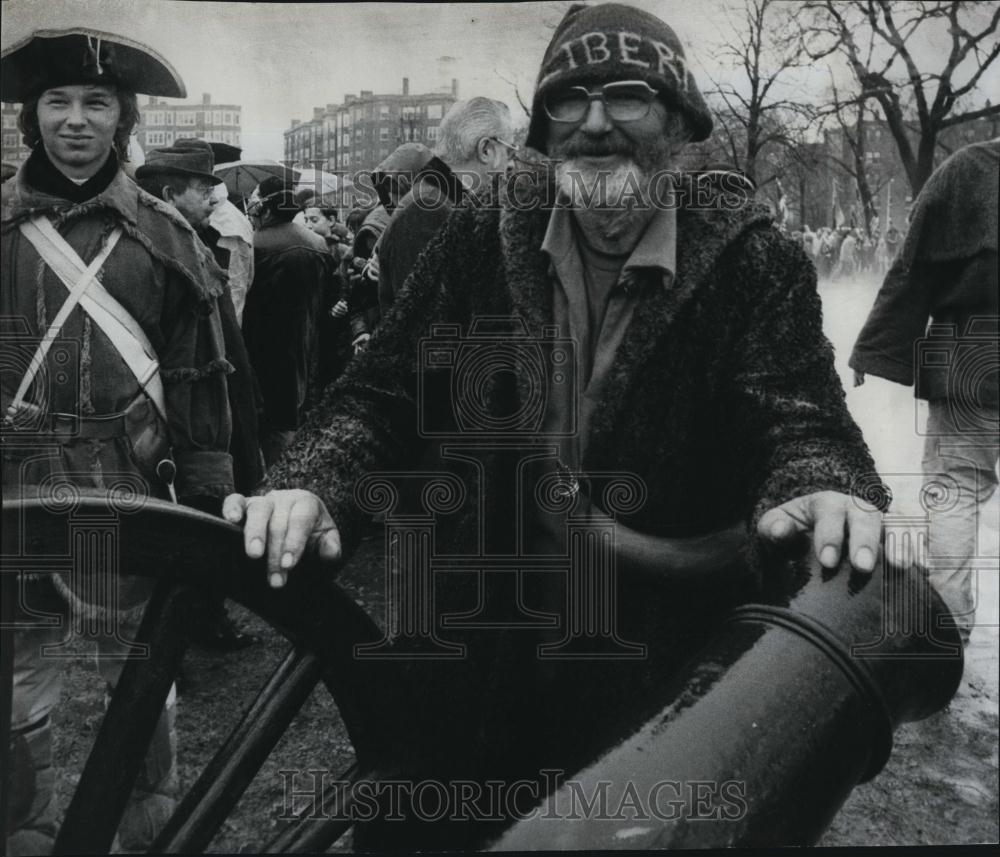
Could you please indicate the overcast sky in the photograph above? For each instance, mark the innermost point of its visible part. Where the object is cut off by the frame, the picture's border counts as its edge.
(280, 60)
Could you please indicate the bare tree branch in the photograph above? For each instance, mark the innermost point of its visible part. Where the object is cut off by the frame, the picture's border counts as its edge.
(916, 103)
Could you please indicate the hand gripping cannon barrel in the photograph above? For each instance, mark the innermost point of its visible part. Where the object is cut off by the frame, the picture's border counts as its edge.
(762, 737)
(757, 741)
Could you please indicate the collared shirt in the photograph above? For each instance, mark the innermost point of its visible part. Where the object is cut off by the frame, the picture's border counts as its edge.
(593, 298)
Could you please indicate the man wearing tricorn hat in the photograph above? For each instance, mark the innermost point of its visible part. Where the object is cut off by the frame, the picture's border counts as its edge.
(91, 260)
(682, 354)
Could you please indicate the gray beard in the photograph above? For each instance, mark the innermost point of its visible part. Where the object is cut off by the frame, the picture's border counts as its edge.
(617, 189)
(610, 204)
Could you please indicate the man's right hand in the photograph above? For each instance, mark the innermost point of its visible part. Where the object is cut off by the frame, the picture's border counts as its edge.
(282, 525)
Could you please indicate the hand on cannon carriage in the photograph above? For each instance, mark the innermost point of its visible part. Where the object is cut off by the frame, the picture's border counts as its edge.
(838, 522)
(282, 525)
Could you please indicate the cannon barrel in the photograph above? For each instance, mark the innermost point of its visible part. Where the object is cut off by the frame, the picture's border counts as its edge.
(767, 731)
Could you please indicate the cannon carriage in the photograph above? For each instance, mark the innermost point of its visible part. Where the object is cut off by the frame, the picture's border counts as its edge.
(756, 738)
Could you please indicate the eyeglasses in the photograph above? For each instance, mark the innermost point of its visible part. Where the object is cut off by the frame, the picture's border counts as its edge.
(623, 100)
(504, 143)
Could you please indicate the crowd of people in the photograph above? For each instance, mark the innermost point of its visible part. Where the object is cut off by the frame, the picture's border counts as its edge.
(850, 251)
(257, 358)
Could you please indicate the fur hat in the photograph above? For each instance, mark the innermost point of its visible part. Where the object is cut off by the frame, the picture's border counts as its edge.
(594, 45)
(50, 58)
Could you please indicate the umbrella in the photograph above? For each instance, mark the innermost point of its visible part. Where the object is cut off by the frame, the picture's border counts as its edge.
(321, 185)
(241, 177)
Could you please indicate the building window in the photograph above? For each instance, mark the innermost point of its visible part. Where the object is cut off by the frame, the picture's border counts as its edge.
(216, 117)
(185, 119)
(383, 134)
(433, 111)
(432, 133)
(10, 141)
(236, 118)
(347, 160)
(155, 138)
(383, 110)
(227, 118)
(10, 120)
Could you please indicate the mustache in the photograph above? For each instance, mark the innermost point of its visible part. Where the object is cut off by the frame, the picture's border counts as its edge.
(580, 145)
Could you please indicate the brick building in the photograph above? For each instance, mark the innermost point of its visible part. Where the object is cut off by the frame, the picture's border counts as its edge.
(358, 133)
(163, 122)
(14, 151)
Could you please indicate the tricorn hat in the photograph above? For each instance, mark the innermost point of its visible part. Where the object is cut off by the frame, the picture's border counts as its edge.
(50, 58)
(189, 160)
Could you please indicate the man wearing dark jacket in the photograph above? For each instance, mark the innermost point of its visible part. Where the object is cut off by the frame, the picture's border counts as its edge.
(946, 274)
(292, 273)
(472, 148)
(598, 356)
(181, 175)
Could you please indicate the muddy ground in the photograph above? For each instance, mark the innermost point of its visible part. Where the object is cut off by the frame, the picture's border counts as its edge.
(939, 787)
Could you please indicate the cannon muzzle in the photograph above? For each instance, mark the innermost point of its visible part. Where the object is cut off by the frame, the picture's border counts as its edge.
(767, 731)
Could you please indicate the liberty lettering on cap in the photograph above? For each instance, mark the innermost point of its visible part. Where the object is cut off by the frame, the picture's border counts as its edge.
(622, 47)
(594, 45)
(50, 58)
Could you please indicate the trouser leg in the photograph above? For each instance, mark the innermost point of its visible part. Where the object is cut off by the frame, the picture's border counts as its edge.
(31, 819)
(960, 476)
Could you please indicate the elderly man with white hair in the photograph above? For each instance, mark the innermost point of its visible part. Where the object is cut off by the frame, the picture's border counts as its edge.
(473, 146)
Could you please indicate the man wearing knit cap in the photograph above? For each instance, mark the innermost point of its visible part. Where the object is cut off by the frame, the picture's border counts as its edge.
(628, 335)
(109, 290)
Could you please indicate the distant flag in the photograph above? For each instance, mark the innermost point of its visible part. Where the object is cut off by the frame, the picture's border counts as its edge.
(838, 213)
(782, 204)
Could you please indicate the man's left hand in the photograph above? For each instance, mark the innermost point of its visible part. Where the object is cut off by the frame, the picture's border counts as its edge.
(838, 523)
